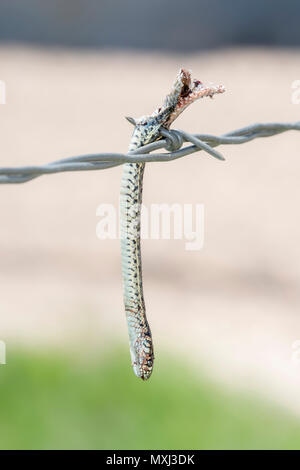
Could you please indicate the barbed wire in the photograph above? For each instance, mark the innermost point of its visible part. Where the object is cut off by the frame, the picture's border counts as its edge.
(173, 141)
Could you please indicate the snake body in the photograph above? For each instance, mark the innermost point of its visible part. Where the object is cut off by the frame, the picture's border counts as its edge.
(140, 339)
(147, 130)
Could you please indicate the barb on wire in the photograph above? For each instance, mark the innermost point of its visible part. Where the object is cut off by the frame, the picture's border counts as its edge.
(173, 141)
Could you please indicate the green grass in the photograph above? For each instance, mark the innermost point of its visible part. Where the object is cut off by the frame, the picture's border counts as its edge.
(57, 402)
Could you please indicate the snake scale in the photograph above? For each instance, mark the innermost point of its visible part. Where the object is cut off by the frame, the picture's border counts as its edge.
(147, 129)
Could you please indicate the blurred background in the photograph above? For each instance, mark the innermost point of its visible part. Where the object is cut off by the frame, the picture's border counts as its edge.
(225, 319)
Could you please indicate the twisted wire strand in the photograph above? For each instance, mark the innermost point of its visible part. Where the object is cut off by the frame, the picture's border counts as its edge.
(173, 141)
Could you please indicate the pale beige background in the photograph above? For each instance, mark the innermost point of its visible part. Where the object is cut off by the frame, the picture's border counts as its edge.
(232, 308)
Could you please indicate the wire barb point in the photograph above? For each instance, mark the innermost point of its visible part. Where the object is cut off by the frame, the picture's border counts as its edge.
(131, 120)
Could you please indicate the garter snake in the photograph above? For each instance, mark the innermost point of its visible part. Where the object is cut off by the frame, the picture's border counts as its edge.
(147, 129)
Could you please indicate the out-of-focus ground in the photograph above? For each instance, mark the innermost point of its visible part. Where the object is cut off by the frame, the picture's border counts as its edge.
(233, 307)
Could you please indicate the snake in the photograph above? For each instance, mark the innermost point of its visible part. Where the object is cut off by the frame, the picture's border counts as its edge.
(148, 129)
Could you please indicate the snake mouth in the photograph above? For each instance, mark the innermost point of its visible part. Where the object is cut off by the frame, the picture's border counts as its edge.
(188, 86)
(185, 91)
(186, 80)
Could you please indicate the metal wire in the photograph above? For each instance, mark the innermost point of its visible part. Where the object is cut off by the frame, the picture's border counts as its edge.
(173, 141)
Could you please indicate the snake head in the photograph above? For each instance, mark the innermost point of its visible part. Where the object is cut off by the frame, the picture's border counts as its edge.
(142, 355)
(184, 92)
